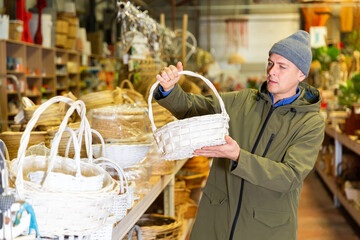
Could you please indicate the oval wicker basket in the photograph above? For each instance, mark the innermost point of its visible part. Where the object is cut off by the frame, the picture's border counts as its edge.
(98, 99)
(131, 93)
(51, 117)
(157, 227)
(179, 139)
(123, 154)
(12, 140)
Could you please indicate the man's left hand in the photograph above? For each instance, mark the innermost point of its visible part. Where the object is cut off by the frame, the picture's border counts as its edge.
(230, 150)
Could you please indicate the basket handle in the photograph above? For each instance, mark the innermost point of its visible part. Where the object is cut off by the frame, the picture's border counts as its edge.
(54, 150)
(92, 131)
(24, 141)
(102, 161)
(189, 73)
(130, 85)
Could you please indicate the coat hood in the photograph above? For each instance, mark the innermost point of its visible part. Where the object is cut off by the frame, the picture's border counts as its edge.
(308, 101)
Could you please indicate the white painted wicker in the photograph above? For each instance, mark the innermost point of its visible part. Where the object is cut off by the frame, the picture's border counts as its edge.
(125, 199)
(125, 155)
(179, 139)
(105, 233)
(121, 201)
(62, 209)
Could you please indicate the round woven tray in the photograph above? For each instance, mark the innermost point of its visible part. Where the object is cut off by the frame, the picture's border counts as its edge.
(159, 227)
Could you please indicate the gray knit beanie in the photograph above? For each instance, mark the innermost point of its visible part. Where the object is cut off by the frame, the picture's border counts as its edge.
(295, 48)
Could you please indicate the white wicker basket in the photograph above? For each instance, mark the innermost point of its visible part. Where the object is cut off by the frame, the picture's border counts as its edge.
(179, 139)
(105, 233)
(124, 155)
(60, 208)
(122, 200)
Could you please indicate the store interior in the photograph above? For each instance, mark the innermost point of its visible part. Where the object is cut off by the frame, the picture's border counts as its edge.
(92, 169)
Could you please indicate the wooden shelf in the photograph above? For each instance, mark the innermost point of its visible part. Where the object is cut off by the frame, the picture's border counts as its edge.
(34, 95)
(12, 114)
(124, 226)
(48, 76)
(61, 88)
(33, 76)
(48, 91)
(344, 139)
(329, 182)
(61, 75)
(12, 92)
(14, 72)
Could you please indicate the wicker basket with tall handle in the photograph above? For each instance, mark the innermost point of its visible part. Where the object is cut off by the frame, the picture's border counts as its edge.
(63, 202)
(179, 139)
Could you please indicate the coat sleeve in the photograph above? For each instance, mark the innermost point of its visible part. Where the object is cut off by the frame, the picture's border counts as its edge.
(184, 105)
(288, 174)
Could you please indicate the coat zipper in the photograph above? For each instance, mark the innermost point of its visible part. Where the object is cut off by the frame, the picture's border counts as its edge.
(242, 180)
(268, 145)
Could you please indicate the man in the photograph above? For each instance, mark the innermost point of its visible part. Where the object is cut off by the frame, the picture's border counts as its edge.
(275, 133)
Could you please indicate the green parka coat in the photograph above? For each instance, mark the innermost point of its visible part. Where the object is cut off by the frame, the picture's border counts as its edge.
(279, 147)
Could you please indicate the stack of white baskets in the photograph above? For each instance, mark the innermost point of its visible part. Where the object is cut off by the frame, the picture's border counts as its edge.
(69, 196)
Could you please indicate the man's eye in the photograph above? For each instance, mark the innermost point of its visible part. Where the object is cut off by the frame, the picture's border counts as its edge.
(282, 67)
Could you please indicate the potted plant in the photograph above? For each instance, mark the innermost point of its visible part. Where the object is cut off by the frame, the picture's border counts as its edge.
(350, 97)
(324, 56)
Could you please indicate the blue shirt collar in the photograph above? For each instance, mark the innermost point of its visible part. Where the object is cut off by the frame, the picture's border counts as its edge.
(285, 101)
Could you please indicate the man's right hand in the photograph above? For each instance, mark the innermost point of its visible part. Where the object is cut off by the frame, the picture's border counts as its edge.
(169, 76)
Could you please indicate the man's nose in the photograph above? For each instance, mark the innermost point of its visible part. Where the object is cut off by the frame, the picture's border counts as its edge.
(271, 70)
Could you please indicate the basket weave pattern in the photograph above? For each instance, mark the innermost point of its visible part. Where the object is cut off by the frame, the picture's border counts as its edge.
(158, 227)
(64, 202)
(179, 139)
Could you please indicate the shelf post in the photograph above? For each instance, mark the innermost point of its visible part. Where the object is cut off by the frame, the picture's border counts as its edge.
(169, 199)
(338, 154)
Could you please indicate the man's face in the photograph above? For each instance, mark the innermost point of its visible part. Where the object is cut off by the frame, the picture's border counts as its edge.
(283, 77)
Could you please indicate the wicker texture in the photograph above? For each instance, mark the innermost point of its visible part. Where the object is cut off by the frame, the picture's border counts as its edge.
(64, 140)
(130, 94)
(124, 155)
(105, 233)
(12, 140)
(122, 123)
(192, 179)
(179, 139)
(51, 117)
(124, 198)
(98, 99)
(64, 202)
(157, 227)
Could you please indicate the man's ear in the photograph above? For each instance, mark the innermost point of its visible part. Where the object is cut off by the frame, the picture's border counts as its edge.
(301, 76)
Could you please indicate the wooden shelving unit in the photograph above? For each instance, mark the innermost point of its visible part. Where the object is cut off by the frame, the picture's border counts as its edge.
(123, 227)
(42, 73)
(329, 181)
(341, 140)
